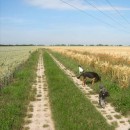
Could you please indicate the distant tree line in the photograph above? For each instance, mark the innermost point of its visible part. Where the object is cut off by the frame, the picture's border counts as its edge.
(16, 45)
(58, 45)
(84, 45)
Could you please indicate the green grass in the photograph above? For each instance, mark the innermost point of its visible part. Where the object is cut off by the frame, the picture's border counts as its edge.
(15, 97)
(118, 97)
(71, 110)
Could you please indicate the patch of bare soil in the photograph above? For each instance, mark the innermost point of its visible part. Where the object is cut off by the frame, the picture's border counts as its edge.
(109, 113)
(39, 113)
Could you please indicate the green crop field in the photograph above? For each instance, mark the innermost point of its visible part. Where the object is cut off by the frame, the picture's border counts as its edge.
(11, 58)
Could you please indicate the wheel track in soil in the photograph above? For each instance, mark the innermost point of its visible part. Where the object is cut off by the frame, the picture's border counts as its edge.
(39, 112)
(109, 113)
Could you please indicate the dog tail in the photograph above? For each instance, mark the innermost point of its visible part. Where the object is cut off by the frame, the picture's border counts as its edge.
(98, 78)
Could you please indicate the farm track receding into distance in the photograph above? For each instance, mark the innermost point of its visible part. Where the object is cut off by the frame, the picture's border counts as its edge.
(109, 113)
(39, 113)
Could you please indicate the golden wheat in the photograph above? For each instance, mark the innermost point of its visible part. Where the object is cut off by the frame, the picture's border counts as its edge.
(119, 73)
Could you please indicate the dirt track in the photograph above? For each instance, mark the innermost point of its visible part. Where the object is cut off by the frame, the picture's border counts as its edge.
(109, 113)
(39, 113)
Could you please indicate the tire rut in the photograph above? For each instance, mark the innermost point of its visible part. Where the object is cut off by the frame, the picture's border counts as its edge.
(39, 113)
(109, 113)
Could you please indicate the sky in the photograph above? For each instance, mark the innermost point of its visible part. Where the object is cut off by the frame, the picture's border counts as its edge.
(49, 22)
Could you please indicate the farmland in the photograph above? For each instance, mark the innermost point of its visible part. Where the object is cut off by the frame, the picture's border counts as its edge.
(114, 62)
(115, 76)
(72, 108)
(15, 96)
(11, 58)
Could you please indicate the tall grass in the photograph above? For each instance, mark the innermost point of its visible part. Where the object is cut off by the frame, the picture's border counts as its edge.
(71, 110)
(119, 73)
(15, 97)
(118, 97)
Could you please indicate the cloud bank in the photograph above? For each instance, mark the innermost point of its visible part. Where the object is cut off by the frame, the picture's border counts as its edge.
(61, 5)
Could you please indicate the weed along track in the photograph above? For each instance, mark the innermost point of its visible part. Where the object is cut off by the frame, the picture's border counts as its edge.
(39, 113)
(109, 113)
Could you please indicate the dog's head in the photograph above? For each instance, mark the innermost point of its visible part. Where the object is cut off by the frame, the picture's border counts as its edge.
(106, 94)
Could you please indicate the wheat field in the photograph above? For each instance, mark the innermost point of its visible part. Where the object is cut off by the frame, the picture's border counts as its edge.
(111, 61)
(12, 57)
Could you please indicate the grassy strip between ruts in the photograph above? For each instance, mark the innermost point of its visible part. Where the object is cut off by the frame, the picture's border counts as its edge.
(118, 97)
(71, 110)
(15, 97)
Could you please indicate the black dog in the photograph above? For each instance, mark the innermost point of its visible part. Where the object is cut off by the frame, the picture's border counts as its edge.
(102, 95)
(92, 75)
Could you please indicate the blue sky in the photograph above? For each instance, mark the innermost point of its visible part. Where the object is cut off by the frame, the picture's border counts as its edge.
(65, 22)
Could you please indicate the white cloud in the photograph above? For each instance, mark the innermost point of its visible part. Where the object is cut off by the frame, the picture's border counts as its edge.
(54, 4)
(61, 5)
